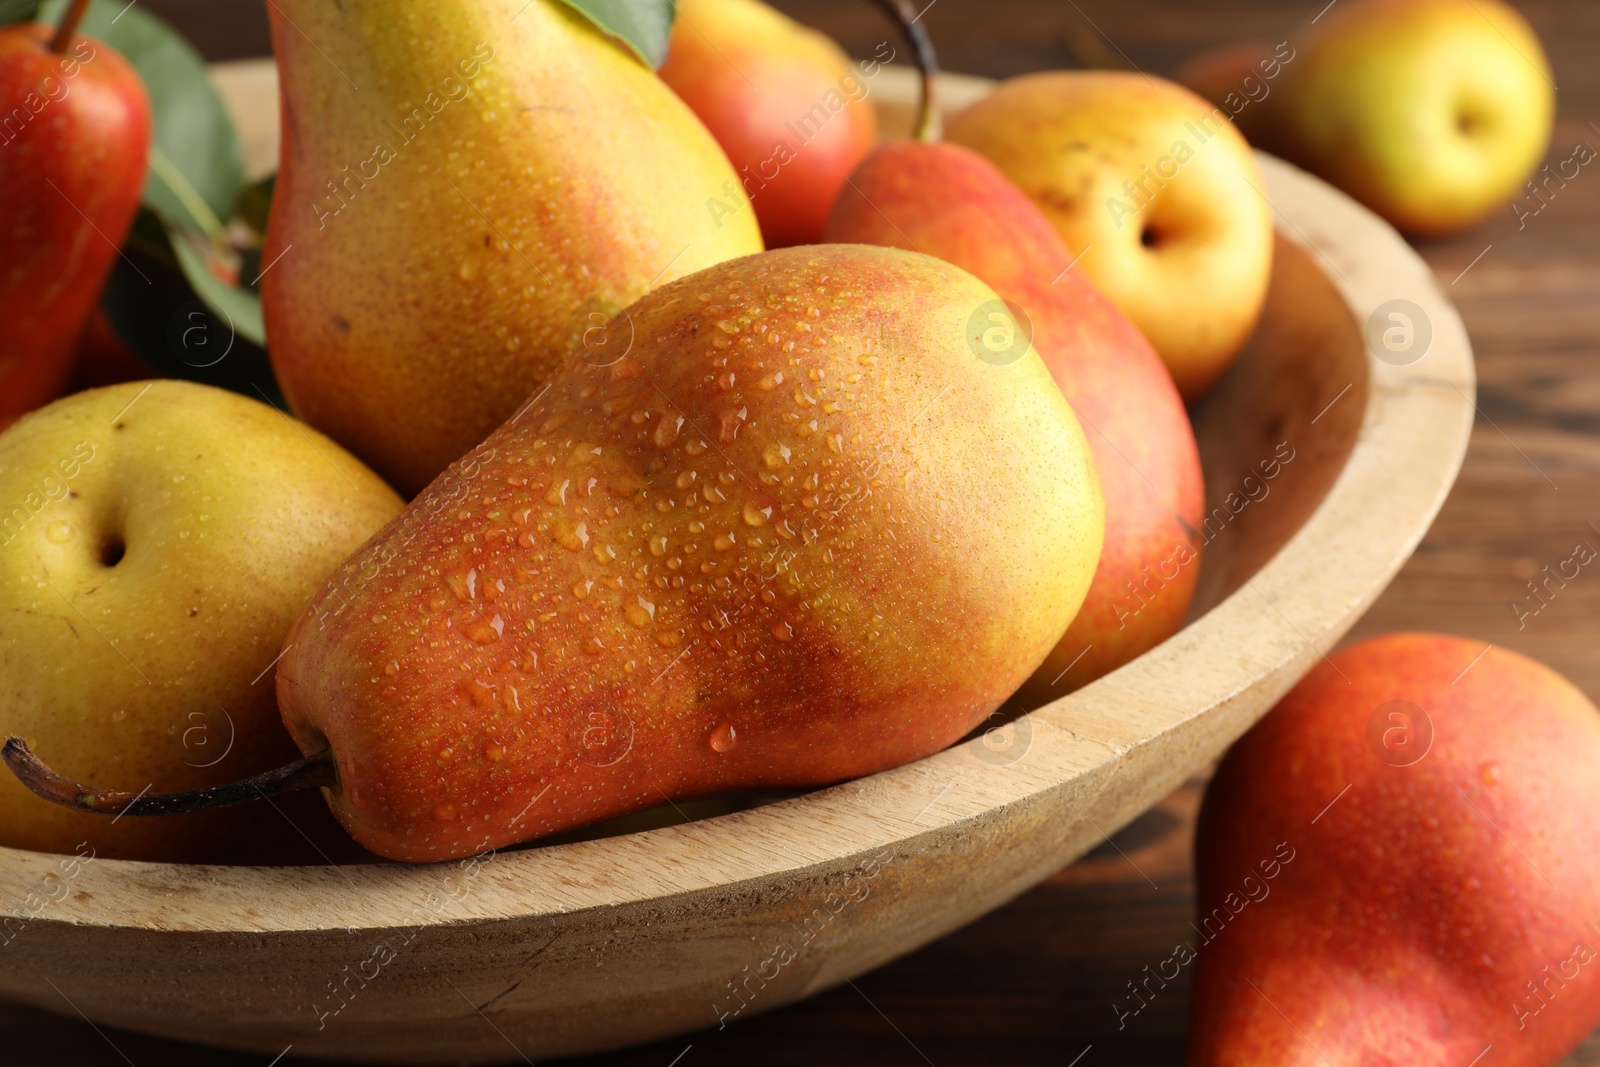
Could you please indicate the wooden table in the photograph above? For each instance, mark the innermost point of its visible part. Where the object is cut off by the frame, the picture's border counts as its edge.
(1033, 983)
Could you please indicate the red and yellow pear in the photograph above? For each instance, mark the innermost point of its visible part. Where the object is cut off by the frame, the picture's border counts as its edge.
(1154, 192)
(783, 100)
(947, 201)
(1398, 865)
(466, 189)
(74, 136)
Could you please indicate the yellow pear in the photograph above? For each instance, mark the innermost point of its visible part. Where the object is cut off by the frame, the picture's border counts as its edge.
(157, 540)
(467, 189)
(1431, 112)
(1156, 194)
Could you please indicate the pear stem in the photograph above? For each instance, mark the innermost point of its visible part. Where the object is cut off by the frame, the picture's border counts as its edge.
(929, 124)
(68, 26)
(310, 772)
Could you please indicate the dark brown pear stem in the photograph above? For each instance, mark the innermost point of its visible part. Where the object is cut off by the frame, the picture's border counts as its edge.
(311, 772)
(929, 125)
(68, 26)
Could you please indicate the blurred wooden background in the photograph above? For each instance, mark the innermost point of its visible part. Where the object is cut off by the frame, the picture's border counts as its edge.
(1034, 982)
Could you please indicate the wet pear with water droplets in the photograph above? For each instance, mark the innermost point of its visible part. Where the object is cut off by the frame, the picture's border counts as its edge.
(796, 532)
(466, 187)
(157, 541)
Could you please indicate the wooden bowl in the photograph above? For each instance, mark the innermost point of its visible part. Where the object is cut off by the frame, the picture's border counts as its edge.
(592, 945)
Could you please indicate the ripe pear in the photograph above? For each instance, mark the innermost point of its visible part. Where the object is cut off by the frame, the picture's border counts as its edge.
(792, 528)
(466, 189)
(157, 541)
(1154, 189)
(74, 135)
(1399, 865)
(784, 101)
(947, 201)
(1431, 112)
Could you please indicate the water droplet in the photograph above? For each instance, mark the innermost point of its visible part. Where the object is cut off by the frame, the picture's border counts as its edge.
(465, 586)
(639, 611)
(723, 737)
(723, 542)
(555, 422)
(572, 535)
(558, 493)
(775, 455)
(754, 516)
(392, 668)
(119, 715)
(667, 430)
(727, 327)
(494, 753)
(658, 546)
(782, 631)
(59, 532)
(444, 812)
(1489, 773)
(483, 631)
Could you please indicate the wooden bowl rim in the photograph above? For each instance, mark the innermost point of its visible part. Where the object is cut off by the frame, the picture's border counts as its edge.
(1370, 521)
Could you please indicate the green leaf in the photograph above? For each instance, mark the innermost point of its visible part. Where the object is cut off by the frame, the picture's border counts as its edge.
(239, 307)
(642, 25)
(195, 166)
(170, 178)
(255, 202)
(17, 11)
(153, 305)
